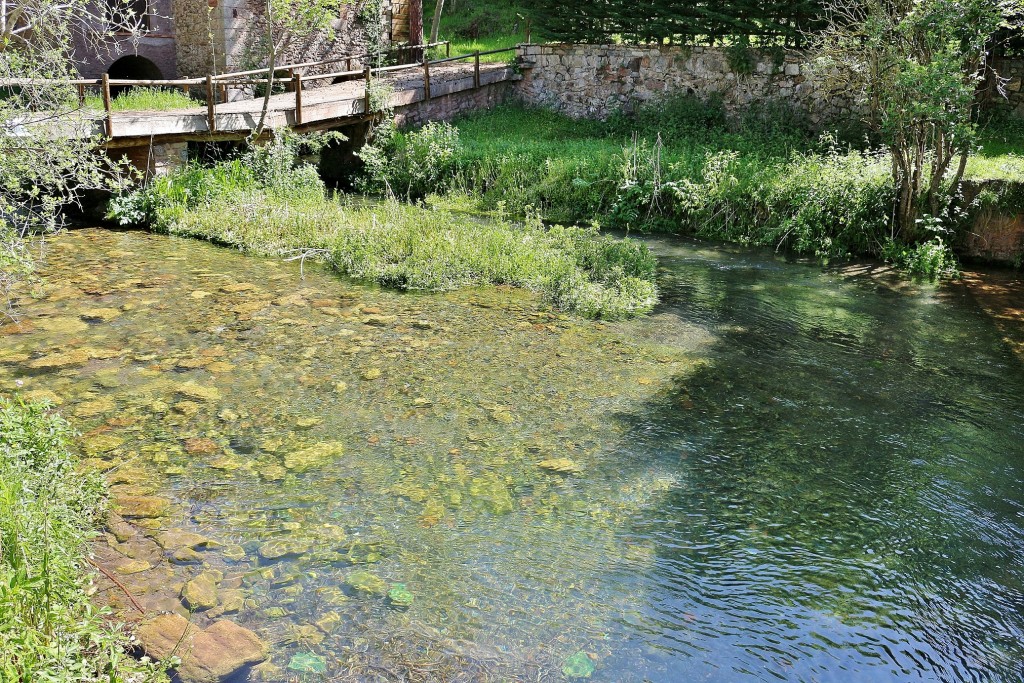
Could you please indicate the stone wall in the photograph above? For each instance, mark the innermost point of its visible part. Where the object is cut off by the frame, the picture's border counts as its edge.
(92, 60)
(444, 107)
(1012, 97)
(593, 81)
(238, 32)
(996, 238)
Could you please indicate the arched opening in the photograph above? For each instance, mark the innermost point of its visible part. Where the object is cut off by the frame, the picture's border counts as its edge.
(133, 67)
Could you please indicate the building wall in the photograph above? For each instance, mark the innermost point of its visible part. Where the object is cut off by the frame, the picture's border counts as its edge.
(238, 28)
(158, 46)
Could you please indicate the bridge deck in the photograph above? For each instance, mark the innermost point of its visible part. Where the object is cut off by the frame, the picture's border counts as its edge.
(323, 107)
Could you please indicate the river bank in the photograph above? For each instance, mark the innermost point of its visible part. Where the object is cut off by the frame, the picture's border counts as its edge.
(683, 166)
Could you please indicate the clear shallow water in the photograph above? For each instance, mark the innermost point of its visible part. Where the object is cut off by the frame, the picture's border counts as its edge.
(784, 474)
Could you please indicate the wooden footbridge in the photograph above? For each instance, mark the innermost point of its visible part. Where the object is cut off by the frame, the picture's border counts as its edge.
(316, 97)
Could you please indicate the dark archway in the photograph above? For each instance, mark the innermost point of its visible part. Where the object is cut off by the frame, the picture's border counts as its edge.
(135, 68)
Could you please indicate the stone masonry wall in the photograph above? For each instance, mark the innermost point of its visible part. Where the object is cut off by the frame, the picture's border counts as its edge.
(593, 81)
(92, 60)
(231, 35)
(448, 106)
(1013, 71)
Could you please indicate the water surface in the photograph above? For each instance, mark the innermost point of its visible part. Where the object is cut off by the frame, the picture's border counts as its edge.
(783, 474)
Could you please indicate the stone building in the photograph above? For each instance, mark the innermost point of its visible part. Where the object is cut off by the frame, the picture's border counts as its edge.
(193, 38)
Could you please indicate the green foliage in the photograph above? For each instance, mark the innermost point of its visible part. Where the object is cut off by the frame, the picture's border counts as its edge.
(678, 21)
(277, 209)
(482, 25)
(928, 260)
(145, 99)
(274, 167)
(48, 511)
(918, 65)
(410, 164)
(682, 166)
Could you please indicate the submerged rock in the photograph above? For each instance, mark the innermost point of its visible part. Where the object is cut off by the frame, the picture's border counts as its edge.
(142, 506)
(201, 592)
(201, 446)
(197, 392)
(313, 456)
(179, 538)
(283, 547)
(367, 582)
(400, 596)
(578, 666)
(305, 662)
(100, 314)
(560, 465)
(218, 654)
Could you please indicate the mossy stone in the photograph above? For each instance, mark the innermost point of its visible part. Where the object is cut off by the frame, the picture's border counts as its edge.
(578, 666)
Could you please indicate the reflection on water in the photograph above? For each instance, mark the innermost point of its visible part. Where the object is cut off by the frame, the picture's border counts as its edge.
(782, 475)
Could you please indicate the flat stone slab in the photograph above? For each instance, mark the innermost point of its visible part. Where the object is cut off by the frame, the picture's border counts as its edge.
(214, 655)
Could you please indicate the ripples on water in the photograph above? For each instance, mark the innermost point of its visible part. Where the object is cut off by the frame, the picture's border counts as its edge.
(786, 474)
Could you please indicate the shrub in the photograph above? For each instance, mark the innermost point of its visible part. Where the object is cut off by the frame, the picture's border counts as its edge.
(410, 164)
(48, 511)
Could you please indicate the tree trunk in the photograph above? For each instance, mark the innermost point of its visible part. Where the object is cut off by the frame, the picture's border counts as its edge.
(437, 21)
(271, 63)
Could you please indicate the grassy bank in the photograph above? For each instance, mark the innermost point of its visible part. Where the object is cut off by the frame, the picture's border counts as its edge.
(267, 204)
(483, 25)
(49, 509)
(680, 166)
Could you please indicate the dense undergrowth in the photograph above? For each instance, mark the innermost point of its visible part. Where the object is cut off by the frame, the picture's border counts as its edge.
(266, 203)
(49, 630)
(679, 166)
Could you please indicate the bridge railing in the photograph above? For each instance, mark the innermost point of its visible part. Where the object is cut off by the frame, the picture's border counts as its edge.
(214, 88)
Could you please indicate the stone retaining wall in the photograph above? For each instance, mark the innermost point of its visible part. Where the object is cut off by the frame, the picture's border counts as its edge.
(593, 81)
(1012, 97)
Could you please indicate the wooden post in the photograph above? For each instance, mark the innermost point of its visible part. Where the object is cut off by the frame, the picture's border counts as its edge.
(366, 97)
(447, 48)
(290, 83)
(348, 64)
(476, 69)
(426, 77)
(528, 27)
(184, 88)
(211, 105)
(297, 87)
(106, 105)
(81, 94)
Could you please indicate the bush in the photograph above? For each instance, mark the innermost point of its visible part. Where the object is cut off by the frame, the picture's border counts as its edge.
(410, 164)
(275, 167)
(48, 511)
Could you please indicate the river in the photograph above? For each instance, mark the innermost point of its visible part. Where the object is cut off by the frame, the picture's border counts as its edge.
(784, 473)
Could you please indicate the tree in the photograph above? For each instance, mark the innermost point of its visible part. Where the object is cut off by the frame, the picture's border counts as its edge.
(917, 66)
(45, 162)
(436, 23)
(287, 21)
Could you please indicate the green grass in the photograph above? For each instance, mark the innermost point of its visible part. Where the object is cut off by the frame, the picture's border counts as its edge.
(679, 166)
(479, 25)
(145, 99)
(49, 509)
(277, 209)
